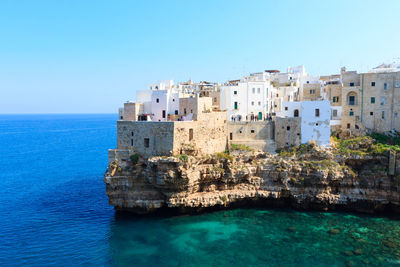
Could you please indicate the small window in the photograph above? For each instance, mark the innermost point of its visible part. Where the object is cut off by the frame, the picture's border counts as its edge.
(286, 108)
(351, 84)
(296, 112)
(252, 131)
(288, 128)
(131, 133)
(259, 103)
(348, 126)
(215, 99)
(131, 142)
(334, 113)
(254, 90)
(191, 111)
(317, 112)
(252, 103)
(184, 111)
(316, 124)
(372, 83)
(351, 113)
(383, 115)
(230, 136)
(371, 113)
(372, 100)
(385, 86)
(163, 114)
(190, 134)
(176, 112)
(157, 100)
(146, 142)
(258, 90)
(235, 105)
(395, 115)
(277, 95)
(312, 92)
(235, 92)
(356, 126)
(173, 99)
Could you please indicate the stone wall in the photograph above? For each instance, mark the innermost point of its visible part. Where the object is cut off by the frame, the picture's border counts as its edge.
(287, 132)
(307, 95)
(207, 135)
(132, 110)
(145, 137)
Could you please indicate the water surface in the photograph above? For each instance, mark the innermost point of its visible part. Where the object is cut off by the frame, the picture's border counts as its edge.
(54, 211)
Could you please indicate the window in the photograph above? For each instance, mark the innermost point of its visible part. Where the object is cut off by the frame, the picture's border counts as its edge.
(372, 83)
(334, 113)
(395, 115)
(235, 105)
(254, 90)
(252, 103)
(383, 101)
(235, 92)
(191, 111)
(215, 99)
(146, 142)
(157, 100)
(277, 95)
(317, 112)
(286, 108)
(131, 142)
(173, 99)
(312, 92)
(230, 136)
(252, 131)
(356, 126)
(131, 133)
(335, 99)
(296, 112)
(352, 100)
(372, 100)
(176, 112)
(184, 111)
(385, 87)
(288, 128)
(258, 90)
(163, 114)
(351, 113)
(351, 84)
(371, 113)
(348, 126)
(259, 103)
(190, 134)
(383, 115)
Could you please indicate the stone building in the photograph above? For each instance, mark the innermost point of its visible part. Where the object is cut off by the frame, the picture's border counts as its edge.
(371, 101)
(313, 123)
(258, 135)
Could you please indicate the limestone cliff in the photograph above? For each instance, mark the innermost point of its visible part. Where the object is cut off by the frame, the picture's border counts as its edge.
(310, 178)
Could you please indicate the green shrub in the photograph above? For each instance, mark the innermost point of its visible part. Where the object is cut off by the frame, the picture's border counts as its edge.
(135, 158)
(224, 155)
(240, 147)
(184, 157)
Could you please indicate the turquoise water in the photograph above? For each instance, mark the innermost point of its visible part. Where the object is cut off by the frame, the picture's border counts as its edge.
(54, 212)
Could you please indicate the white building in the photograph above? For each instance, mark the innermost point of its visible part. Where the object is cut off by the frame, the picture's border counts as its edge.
(315, 119)
(246, 100)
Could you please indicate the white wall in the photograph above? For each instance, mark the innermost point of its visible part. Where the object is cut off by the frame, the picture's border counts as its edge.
(312, 127)
(316, 128)
(157, 108)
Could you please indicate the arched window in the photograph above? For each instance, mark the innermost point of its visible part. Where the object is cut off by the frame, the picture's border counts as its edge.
(352, 99)
(296, 113)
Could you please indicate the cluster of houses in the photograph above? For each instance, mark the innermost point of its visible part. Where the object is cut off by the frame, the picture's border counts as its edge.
(267, 111)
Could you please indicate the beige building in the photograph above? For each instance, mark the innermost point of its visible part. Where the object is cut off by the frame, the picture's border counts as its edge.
(371, 101)
(311, 92)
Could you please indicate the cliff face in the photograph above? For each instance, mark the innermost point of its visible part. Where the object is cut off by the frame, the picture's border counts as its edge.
(317, 179)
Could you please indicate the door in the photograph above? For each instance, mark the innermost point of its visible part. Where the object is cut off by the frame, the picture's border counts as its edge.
(259, 116)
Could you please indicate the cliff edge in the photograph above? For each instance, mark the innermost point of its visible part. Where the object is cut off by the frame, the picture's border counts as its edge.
(356, 174)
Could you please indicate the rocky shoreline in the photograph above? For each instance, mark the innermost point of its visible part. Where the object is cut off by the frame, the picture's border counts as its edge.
(310, 178)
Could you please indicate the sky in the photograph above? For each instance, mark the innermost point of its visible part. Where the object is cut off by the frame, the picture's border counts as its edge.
(70, 56)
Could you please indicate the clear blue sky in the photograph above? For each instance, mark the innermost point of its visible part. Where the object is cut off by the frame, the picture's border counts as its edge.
(90, 56)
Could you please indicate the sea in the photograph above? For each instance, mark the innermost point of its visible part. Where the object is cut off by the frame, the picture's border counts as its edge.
(54, 212)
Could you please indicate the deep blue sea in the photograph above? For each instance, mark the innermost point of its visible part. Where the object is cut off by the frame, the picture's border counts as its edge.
(54, 212)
